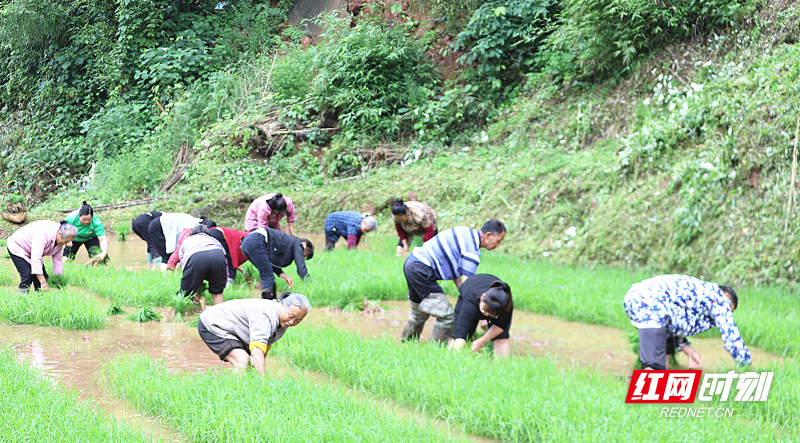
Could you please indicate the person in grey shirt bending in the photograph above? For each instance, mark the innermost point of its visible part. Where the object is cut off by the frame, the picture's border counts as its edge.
(240, 329)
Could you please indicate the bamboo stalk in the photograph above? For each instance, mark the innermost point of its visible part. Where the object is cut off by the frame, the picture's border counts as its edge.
(792, 183)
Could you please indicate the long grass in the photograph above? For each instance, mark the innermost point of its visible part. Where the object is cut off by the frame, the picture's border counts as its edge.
(136, 288)
(8, 274)
(521, 399)
(33, 410)
(229, 407)
(65, 308)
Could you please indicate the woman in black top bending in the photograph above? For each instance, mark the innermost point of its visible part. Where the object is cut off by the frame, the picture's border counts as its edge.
(483, 297)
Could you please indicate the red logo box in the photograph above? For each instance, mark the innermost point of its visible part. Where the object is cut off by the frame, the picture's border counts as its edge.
(663, 386)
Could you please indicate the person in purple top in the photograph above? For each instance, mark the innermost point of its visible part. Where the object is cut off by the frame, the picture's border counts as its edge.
(34, 241)
(203, 259)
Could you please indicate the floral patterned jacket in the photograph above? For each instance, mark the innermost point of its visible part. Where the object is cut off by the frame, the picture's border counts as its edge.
(685, 306)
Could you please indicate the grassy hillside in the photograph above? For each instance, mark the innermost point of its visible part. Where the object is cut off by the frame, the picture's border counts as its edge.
(682, 164)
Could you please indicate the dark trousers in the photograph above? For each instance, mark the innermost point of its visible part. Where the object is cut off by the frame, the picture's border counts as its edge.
(25, 276)
(71, 251)
(654, 345)
(205, 266)
(157, 238)
(140, 226)
(255, 248)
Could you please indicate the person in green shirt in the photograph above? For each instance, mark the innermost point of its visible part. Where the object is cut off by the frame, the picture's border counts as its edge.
(91, 234)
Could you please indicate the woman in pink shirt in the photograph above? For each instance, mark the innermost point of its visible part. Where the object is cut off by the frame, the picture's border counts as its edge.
(34, 241)
(267, 211)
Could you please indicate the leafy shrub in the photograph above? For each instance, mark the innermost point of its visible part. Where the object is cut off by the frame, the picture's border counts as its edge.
(292, 74)
(370, 74)
(603, 37)
(134, 173)
(502, 38)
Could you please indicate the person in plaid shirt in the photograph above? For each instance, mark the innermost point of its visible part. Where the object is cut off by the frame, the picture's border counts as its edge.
(668, 308)
(348, 224)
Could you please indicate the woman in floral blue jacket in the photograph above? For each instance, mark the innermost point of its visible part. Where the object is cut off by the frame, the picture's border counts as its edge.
(668, 308)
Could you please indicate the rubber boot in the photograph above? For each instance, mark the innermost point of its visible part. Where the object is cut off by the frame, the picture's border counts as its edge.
(439, 306)
(414, 325)
(268, 294)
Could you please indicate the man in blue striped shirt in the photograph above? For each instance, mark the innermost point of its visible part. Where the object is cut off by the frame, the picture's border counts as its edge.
(447, 256)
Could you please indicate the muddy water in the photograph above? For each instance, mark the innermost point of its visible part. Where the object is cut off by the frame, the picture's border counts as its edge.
(75, 358)
(604, 348)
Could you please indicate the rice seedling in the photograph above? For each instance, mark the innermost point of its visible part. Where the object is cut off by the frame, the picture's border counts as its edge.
(144, 315)
(122, 229)
(181, 305)
(767, 317)
(59, 281)
(66, 309)
(514, 399)
(8, 275)
(34, 410)
(115, 309)
(94, 251)
(230, 407)
(136, 288)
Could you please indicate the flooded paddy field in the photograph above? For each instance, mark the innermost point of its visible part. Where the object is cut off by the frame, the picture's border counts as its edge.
(79, 359)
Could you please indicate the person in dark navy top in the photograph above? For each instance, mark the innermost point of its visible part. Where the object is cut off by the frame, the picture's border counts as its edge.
(483, 297)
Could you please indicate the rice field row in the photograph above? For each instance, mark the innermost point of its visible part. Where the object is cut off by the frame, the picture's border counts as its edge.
(244, 407)
(33, 410)
(136, 288)
(66, 309)
(523, 399)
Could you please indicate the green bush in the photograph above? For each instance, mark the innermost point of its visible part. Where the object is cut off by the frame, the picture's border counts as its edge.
(370, 74)
(503, 37)
(604, 37)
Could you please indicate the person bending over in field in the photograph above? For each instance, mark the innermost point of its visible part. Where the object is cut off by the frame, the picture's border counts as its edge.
(410, 219)
(244, 329)
(202, 258)
(233, 240)
(91, 234)
(348, 224)
(268, 210)
(668, 308)
(31, 243)
(270, 250)
(483, 297)
(140, 226)
(448, 256)
(165, 231)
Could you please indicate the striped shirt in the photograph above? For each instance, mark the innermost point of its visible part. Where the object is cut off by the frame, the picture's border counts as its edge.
(344, 223)
(451, 253)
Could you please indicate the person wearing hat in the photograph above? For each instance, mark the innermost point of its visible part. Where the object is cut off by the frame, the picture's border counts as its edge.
(243, 331)
(139, 226)
(31, 243)
(668, 308)
(410, 219)
(483, 297)
(91, 234)
(267, 211)
(348, 224)
(270, 250)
